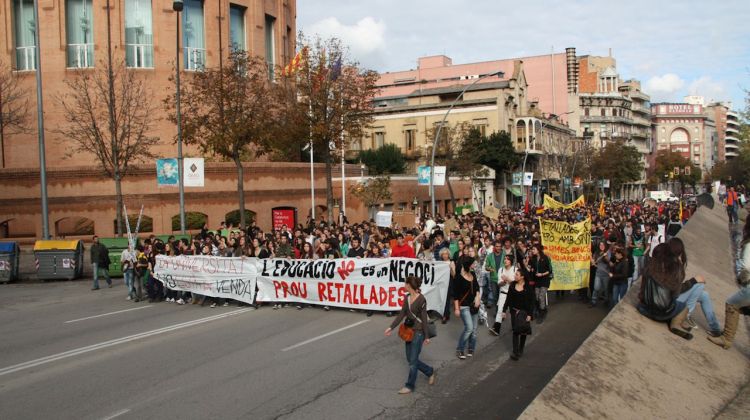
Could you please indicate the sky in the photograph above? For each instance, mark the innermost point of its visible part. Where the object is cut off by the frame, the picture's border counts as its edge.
(675, 48)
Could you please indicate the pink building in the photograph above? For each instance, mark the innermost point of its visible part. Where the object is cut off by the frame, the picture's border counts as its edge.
(547, 78)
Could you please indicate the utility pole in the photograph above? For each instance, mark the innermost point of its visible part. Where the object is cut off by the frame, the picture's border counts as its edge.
(40, 124)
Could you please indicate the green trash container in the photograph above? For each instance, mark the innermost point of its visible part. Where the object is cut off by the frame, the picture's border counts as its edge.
(9, 255)
(58, 259)
(115, 246)
(179, 237)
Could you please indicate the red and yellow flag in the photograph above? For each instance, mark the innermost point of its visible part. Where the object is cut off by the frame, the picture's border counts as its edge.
(296, 62)
(602, 213)
(680, 210)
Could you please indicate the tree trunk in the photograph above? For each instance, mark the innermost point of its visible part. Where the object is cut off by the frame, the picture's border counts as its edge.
(450, 191)
(329, 183)
(240, 188)
(118, 194)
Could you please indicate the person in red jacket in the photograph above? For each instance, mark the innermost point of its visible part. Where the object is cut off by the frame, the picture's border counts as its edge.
(402, 249)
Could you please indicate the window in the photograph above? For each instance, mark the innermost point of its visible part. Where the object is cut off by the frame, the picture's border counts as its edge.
(604, 112)
(79, 25)
(696, 149)
(24, 29)
(409, 138)
(193, 39)
(481, 125)
(237, 27)
(378, 139)
(270, 52)
(586, 112)
(139, 34)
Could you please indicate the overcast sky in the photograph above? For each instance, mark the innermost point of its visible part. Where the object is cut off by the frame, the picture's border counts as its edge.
(674, 47)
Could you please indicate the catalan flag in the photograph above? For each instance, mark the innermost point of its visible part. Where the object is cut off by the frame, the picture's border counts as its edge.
(601, 209)
(296, 62)
(680, 210)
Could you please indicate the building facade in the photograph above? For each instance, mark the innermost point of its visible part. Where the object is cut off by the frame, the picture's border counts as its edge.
(682, 128)
(73, 38)
(731, 137)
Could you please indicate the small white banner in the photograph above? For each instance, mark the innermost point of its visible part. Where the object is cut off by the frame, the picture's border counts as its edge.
(439, 175)
(384, 218)
(193, 169)
(231, 278)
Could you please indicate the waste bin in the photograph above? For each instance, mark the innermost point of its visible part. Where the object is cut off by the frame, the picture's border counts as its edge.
(9, 254)
(165, 238)
(115, 246)
(58, 259)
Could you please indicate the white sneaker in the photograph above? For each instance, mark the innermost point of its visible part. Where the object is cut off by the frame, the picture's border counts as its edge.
(213, 305)
(128, 298)
(226, 304)
(180, 302)
(170, 300)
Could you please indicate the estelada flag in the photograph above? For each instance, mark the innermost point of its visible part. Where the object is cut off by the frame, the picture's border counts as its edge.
(601, 209)
(680, 210)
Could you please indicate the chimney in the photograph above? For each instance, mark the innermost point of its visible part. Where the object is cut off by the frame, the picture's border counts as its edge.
(572, 68)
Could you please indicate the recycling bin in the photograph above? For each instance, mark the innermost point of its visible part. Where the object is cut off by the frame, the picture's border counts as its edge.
(115, 246)
(9, 255)
(58, 259)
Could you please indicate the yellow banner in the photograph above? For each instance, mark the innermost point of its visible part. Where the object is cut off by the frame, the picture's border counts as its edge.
(552, 204)
(569, 248)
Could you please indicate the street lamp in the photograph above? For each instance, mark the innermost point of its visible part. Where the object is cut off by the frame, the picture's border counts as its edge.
(177, 6)
(40, 125)
(440, 128)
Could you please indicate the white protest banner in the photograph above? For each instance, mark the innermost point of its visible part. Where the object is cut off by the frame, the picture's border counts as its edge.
(232, 278)
(362, 283)
(384, 218)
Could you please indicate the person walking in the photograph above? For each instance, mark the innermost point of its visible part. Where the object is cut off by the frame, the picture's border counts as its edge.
(414, 315)
(520, 305)
(541, 266)
(467, 298)
(100, 261)
(732, 205)
(506, 276)
(618, 275)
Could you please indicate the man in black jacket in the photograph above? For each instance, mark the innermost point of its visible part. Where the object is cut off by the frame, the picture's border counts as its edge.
(100, 261)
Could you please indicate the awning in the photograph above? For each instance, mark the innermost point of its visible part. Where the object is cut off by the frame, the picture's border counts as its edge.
(515, 191)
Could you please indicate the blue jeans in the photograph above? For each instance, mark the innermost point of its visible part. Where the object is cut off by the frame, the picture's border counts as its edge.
(128, 276)
(600, 286)
(413, 349)
(469, 334)
(493, 293)
(618, 292)
(105, 270)
(741, 298)
(696, 294)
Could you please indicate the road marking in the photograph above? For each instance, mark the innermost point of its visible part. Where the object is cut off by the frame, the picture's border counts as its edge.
(117, 414)
(110, 343)
(324, 335)
(108, 314)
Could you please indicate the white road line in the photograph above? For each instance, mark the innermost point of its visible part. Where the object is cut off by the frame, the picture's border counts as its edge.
(117, 414)
(324, 335)
(108, 314)
(110, 343)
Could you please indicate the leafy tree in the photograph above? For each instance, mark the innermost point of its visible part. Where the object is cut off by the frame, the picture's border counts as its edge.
(108, 113)
(232, 112)
(666, 162)
(14, 105)
(387, 159)
(335, 101)
(375, 191)
(618, 162)
(449, 152)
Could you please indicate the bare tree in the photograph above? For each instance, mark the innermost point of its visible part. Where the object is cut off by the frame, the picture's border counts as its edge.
(14, 108)
(231, 112)
(449, 152)
(109, 113)
(337, 97)
(374, 191)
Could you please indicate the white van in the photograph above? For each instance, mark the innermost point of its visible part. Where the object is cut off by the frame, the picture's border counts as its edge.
(662, 196)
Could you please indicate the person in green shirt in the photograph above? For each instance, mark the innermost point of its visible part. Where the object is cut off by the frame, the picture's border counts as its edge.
(638, 245)
(492, 263)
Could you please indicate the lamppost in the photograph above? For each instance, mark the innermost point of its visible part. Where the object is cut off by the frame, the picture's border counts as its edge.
(177, 6)
(483, 190)
(40, 124)
(437, 136)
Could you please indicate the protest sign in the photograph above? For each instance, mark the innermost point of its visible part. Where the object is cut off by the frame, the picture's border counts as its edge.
(569, 248)
(361, 283)
(384, 218)
(552, 204)
(230, 278)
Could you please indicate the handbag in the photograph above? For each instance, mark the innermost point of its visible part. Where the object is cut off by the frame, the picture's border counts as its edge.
(657, 300)
(406, 333)
(520, 324)
(431, 328)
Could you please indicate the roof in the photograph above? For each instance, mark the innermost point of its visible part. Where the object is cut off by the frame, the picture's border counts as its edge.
(458, 88)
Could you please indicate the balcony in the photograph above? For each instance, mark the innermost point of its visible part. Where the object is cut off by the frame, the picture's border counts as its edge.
(413, 153)
(732, 146)
(139, 56)
(731, 154)
(195, 58)
(608, 118)
(80, 56)
(26, 58)
(732, 114)
(731, 129)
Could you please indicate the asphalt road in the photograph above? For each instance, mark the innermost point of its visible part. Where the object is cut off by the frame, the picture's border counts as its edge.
(70, 353)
